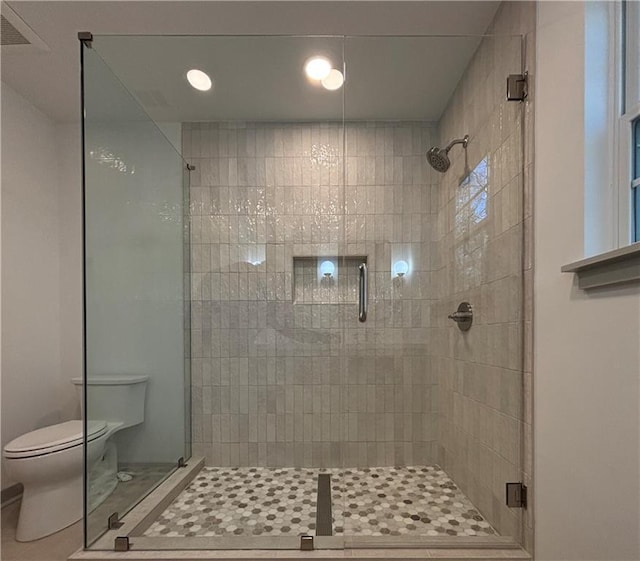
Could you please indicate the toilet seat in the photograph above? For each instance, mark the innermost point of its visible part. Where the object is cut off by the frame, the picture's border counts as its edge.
(53, 438)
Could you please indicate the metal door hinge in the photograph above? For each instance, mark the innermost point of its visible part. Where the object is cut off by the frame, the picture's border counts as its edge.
(516, 495)
(517, 87)
(113, 522)
(85, 37)
(181, 462)
(122, 543)
(306, 543)
(191, 167)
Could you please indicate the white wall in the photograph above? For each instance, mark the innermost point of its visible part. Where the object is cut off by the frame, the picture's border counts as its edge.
(587, 357)
(37, 294)
(69, 151)
(42, 285)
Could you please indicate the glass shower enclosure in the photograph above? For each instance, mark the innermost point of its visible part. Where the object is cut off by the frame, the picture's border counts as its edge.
(280, 263)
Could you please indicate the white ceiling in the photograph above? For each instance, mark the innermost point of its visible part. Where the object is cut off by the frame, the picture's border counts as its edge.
(262, 78)
(255, 78)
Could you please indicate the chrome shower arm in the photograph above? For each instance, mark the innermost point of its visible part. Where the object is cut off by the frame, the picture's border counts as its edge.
(464, 141)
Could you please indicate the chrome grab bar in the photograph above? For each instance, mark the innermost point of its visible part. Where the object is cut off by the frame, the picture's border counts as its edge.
(364, 293)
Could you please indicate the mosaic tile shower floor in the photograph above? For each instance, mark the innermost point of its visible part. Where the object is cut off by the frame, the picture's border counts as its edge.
(403, 501)
(243, 501)
(420, 500)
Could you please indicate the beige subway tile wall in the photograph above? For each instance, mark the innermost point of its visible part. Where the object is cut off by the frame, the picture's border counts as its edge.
(283, 373)
(479, 258)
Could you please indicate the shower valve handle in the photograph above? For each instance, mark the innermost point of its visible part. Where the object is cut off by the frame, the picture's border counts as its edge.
(460, 316)
(463, 316)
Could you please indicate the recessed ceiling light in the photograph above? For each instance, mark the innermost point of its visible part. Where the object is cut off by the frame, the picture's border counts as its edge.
(199, 80)
(317, 68)
(333, 81)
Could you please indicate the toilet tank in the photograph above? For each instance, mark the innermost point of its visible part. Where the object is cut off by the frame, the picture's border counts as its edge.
(115, 398)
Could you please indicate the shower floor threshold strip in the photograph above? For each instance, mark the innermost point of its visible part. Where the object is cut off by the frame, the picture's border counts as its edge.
(322, 543)
(451, 554)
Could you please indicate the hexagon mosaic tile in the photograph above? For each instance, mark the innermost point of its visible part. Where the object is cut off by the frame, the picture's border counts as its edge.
(380, 501)
(243, 502)
(403, 501)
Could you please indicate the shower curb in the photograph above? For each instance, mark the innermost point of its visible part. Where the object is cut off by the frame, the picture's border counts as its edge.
(268, 555)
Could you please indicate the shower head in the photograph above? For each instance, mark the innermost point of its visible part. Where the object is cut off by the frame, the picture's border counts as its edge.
(438, 158)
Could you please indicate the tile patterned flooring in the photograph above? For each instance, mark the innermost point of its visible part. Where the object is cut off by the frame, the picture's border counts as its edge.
(243, 501)
(387, 501)
(403, 501)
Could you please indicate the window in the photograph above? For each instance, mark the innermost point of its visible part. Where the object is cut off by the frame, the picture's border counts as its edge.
(471, 202)
(635, 184)
(471, 229)
(611, 140)
(629, 123)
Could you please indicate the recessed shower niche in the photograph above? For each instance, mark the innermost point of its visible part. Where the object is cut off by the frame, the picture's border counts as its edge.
(326, 279)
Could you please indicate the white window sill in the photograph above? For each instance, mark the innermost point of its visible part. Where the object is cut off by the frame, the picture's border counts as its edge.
(613, 267)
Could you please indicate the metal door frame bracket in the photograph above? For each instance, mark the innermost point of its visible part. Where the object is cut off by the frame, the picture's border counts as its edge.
(516, 495)
(517, 87)
(306, 543)
(181, 462)
(86, 37)
(113, 522)
(122, 543)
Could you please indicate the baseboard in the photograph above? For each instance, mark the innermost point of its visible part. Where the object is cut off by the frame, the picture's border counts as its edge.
(11, 494)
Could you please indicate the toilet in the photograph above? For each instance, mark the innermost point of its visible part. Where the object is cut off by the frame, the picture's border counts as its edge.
(49, 461)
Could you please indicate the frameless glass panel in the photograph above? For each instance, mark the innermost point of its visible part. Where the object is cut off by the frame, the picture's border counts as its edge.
(268, 289)
(434, 413)
(332, 395)
(135, 374)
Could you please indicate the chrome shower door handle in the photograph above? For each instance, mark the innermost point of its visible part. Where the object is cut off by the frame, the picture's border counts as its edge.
(363, 298)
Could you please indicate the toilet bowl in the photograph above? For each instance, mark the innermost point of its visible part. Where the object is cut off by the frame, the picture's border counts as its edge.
(49, 461)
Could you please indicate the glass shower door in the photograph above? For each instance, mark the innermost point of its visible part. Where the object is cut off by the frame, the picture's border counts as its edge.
(434, 413)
